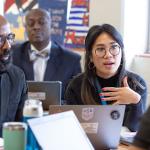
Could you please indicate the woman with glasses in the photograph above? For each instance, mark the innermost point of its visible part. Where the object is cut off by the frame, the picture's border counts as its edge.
(105, 79)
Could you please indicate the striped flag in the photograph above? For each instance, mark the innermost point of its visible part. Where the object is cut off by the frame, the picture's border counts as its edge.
(77, 24)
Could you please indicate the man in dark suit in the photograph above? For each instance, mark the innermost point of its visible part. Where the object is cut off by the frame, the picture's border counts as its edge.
(13, 88)
(40, 58)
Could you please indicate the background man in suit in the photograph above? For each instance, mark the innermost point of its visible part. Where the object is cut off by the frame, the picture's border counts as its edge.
(40, 58)
(13, 89)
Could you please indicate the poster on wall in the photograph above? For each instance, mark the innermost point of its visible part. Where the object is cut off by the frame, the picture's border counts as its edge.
(58, 11)
(14, 11)
(70, 19)
(77, 24)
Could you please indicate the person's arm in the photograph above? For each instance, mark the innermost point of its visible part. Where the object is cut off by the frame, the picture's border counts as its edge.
(142, 138)
(121, 95)
(23, 97)
(73, 92)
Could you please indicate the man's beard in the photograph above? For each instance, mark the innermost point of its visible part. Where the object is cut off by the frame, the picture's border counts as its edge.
(5, 61)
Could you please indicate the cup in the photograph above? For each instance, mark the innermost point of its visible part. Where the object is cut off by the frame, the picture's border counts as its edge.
(14, 135)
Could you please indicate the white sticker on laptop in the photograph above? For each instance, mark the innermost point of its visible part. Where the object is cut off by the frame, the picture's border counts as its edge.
(37, 95)
(87, 113)
(90, 127)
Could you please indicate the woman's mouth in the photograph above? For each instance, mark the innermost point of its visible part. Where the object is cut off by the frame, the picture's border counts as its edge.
(109, 64)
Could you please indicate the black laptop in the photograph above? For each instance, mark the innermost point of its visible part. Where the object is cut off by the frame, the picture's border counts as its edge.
(49, 92)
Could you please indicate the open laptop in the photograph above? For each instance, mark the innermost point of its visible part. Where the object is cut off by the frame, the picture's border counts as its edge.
(101, 123)
(49, 92)
(60, 132)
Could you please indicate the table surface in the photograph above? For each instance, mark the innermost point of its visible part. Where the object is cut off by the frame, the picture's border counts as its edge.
(123, 147)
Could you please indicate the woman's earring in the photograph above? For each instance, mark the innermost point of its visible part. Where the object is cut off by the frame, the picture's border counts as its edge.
(91, 65)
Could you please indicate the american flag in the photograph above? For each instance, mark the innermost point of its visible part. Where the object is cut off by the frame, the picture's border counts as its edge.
(77, 24)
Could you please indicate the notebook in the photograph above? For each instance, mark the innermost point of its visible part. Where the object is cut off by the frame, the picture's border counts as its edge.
(101, 123)
(60, 132)
(49, 92)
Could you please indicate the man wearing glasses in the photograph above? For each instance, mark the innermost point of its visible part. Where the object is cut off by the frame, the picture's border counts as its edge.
(13, 89)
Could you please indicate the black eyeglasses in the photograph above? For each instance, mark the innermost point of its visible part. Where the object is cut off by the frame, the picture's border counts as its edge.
(114, 50)
(10, 37)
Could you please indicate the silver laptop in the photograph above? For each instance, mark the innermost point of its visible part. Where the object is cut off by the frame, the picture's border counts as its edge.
(49, 92)
(101, 123)
(60, 132)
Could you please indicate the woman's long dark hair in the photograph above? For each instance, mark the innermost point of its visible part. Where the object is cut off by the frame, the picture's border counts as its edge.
(90, 72)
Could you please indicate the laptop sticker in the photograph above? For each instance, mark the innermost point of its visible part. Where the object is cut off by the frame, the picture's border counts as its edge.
(90, 127)
(87, 113)
(37, 95)
(115, 115)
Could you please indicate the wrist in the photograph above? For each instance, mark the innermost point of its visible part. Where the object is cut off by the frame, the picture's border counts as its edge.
(137, 98)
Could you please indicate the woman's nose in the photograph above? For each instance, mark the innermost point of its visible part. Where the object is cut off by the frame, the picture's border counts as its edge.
(107, 54)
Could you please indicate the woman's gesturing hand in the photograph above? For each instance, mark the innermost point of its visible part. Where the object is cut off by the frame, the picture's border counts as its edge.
(121, 95)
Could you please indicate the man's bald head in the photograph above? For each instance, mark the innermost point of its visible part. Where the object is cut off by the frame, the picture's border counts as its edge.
(37, 11)
(38, 27)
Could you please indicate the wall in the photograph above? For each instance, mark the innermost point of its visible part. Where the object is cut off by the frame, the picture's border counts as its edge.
(135, 27)
(107, 11)
(141, 65)
(1, 7)
(129, 17)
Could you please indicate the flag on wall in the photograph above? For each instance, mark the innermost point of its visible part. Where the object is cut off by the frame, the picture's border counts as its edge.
(77, 24)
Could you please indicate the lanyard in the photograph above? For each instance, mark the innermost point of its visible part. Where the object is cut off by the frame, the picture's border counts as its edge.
(99, 89)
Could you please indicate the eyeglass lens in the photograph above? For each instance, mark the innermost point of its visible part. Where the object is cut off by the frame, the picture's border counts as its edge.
(10, 37)
(114, 50)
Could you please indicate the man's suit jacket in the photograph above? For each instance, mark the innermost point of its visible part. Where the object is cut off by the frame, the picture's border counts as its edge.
(62, 65)
(13, 92)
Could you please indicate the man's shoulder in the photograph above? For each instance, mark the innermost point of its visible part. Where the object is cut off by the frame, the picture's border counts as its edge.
(65, 52)
(20, 46)
(15, 71)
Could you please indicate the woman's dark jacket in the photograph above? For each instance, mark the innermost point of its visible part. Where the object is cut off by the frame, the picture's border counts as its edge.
(133, 112)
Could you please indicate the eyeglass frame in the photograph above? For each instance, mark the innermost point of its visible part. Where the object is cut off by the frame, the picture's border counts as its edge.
(10, 37)
(109, 51)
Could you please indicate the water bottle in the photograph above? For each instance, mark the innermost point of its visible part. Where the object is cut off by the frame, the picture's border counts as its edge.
(15, 135)
(32, 109)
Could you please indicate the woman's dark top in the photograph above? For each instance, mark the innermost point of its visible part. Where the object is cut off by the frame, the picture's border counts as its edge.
(133, 112)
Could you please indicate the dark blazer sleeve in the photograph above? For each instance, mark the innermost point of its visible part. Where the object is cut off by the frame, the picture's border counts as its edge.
(134, 112)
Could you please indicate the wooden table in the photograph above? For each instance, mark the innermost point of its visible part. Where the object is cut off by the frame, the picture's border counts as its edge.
(123, 147)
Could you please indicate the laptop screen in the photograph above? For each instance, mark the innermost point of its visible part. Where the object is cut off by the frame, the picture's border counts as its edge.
(49, 92)
(60, 132)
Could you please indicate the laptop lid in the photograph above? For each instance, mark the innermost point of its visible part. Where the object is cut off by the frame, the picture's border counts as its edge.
(101, 123)
(49, 92)
(60, 132)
